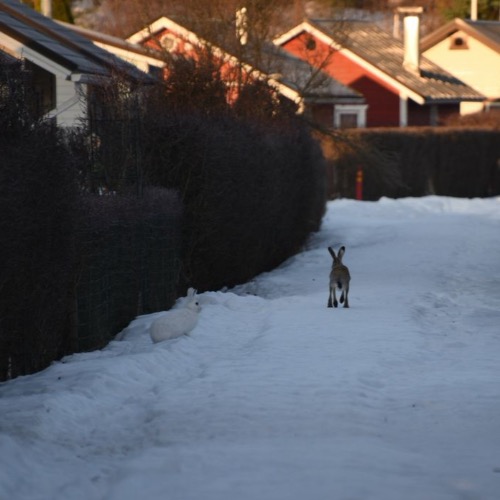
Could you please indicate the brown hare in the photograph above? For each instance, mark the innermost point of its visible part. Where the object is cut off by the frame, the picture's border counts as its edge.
(339, 278)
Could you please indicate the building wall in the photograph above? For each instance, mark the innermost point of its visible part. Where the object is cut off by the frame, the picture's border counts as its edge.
(70, 103)
(382, 99)
(476, 65)
(419, 115)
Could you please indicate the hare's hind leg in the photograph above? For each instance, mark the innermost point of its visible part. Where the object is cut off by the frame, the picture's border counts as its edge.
(335, 303)
(346, 292)
(332, 294)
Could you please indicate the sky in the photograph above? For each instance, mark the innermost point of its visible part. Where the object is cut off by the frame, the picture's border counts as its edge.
(274, 396)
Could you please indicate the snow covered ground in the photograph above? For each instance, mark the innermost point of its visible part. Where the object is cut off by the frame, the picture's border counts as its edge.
(275, 397)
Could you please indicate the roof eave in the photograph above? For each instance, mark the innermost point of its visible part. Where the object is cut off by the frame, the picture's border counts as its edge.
(452, 27)
(453, 100)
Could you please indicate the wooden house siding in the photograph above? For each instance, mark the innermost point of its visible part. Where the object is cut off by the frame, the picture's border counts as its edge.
(430, 114)
(70, 105)
(371, 61)
(383, 100)
(383, 104)
(470, 50)
(322, 104)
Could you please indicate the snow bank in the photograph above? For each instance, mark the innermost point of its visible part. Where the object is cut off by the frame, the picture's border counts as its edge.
(274, 396)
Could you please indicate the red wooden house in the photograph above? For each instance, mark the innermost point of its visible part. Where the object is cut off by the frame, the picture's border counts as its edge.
(401, 87)
(324, 98)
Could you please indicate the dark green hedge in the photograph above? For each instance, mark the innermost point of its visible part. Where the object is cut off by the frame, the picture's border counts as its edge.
(444, 161)
(38, 207)
(129, 260)
(252, 194)
(82, 257)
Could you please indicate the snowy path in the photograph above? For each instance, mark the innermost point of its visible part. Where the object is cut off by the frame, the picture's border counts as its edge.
(275, 397)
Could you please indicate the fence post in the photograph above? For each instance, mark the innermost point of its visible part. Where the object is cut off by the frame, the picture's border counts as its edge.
(359, 184)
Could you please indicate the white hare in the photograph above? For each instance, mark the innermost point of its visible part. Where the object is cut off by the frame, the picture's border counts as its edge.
(177, 322)
(339, 279)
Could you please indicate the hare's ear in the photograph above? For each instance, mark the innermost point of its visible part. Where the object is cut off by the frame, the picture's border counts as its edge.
(341, 252)
(332, 252)
(191, 292)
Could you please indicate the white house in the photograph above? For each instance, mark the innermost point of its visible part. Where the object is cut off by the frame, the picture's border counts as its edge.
(64, 64)
(470, 50)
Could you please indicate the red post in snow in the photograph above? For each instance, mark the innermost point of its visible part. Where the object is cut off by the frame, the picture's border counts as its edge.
(359, 184)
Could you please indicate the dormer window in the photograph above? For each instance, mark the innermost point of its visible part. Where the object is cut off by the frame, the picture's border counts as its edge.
(458, 43)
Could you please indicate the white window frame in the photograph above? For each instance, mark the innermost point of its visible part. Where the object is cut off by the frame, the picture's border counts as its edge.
(350, 109)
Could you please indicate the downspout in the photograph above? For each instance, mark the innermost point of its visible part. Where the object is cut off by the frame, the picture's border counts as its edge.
(403, 110)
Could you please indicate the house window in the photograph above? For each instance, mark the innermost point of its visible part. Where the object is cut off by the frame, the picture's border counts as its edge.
(350, 116)
(348, 120)
(169, 42)
(310, 43)
(458, 43)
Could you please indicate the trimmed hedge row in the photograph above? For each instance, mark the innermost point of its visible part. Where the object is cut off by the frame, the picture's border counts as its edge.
(71, 277)
(129, 262)
(38, 209)
(420, 161)
(250, 175)
(252, 194)
(78, 267)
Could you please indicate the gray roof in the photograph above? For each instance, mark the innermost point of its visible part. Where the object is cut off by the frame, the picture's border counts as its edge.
(60, 44)
(97, 36)
(386, 53)
(489, 29)
(301, 76)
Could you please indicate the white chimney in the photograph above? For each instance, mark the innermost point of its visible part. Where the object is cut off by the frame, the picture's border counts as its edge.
(46, 6)
(242, 25)
(411, 37)
(473, 10)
